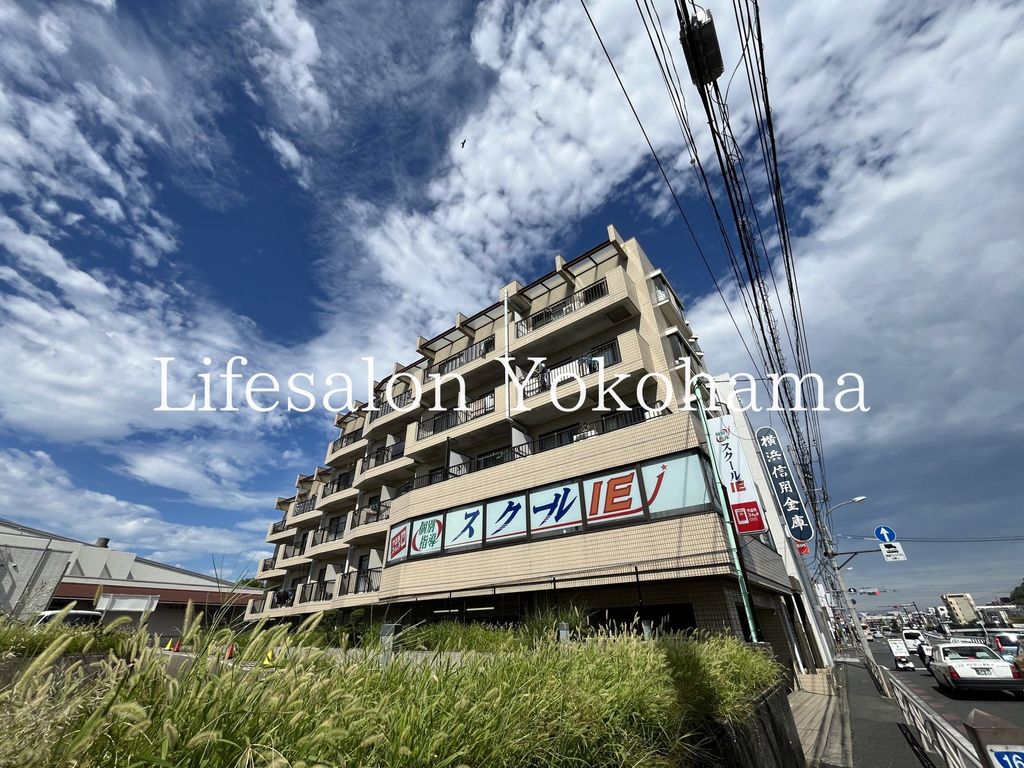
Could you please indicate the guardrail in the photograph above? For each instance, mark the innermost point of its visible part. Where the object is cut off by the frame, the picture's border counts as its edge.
(933, 731)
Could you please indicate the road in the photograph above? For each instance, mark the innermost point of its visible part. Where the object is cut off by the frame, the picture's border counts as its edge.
(954, 707)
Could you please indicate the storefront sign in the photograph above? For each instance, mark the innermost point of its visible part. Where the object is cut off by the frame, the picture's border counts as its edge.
(784, 484)
(398, 542)
(555, 507)
(739, 483)
(464, 527)
(506, 518)
(427, 534)
(613, 497)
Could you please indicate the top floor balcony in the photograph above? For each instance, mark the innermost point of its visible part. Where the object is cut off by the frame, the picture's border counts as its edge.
(346, 440)
(563, 307)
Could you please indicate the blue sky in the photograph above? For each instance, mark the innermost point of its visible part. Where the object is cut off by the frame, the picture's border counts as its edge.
(266, 178)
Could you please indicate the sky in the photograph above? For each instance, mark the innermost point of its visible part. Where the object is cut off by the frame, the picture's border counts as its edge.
(288, 182)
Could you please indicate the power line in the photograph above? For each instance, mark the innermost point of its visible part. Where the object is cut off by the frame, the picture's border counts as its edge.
(952, 540)
(668, 183)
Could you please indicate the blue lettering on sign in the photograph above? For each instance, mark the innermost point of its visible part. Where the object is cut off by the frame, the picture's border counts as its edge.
(513, 509)
(470, 518)
(558, 506)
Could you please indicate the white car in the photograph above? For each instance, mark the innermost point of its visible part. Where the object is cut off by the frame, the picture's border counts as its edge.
(961, 666)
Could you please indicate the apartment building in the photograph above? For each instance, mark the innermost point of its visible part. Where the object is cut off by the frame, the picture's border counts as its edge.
(490, 511)
(961, 607)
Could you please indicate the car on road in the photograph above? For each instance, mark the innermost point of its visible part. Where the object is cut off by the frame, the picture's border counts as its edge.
(1006, 644)
(961, 666)
(912, 638)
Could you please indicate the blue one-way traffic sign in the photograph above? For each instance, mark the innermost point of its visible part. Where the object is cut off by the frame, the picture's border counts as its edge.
(884, 533)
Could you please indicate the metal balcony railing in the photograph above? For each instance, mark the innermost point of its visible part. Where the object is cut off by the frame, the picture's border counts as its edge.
(267, 564)
(383, 456)
(305, 506)
(256, 605)
(372, 513)
(339, 483)
(468, 355)
(332, 532)
(384, 407)
(544, 378)
(316, 591)
(563, 307)
(292, 550)
(346, 440)
(609, 423)
(279, 526)
(439, 422)
(355, 582)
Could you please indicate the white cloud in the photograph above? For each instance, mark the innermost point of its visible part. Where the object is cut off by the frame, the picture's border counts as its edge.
(78, 512)
(283, 47)
(288, 155)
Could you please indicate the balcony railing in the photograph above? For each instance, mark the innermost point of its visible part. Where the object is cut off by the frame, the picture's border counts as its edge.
(346, 440)
(561, 308)
(292, 550)
(279, 526)
(339, 483)
(383, 456)
(332, 532)
(439, 422)
(468, 355)
(256, 605)
(267, 564)
(544, 379)
(384, 407)
(305, 506)
(372, 513)
(355, 582)
(611, 422)
(315, 592)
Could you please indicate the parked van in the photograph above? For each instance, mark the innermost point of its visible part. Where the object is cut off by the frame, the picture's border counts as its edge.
(912, 638)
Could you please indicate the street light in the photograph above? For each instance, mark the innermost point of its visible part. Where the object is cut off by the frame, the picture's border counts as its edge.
(831, 552)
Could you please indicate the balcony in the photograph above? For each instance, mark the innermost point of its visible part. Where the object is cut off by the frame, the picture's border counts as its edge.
(434, 423)
(279, 526)
(561, 308)
(280, 530)
(329, 534)
(460, 359)
(382, 456)
(611, 422)
(316, 592)
(255, 606)
(338, 492)
(268, 569)
(372, 513)
(544, 379)
(384, 407)
(289, 551)
(346, 440)
(358, 582)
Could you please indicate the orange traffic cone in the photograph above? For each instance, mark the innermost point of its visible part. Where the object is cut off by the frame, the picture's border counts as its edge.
(177, 645)
(230, 653)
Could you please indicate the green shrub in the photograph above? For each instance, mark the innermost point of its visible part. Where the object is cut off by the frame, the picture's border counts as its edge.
(613, 700)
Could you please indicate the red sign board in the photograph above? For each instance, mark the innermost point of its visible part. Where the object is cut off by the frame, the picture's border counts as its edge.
(748, 518)
(803, 548)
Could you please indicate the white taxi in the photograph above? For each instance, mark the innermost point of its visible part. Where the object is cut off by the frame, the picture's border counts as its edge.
(972, 666)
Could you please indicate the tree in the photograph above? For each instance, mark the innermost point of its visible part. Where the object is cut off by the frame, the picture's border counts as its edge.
(1017, 596)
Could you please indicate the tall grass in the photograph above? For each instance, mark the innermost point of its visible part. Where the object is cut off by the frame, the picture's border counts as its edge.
(614, 700)
(18, 639)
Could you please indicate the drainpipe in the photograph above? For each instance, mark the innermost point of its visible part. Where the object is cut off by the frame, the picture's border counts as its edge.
(508, 384)
(730, 534)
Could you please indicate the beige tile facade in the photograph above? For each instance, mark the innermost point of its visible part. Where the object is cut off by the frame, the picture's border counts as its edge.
(390, 466)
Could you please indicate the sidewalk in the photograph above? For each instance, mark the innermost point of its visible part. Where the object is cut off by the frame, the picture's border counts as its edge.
(874, 734)
(813, 714)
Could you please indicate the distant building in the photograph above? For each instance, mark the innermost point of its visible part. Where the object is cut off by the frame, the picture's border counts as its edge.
(41, 570)
(961, 607)
(941, 611)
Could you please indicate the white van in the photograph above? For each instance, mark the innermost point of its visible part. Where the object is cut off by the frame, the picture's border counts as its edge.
(912, 638)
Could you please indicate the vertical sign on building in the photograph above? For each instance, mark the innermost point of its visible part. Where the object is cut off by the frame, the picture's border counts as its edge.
(784, 484)
(746, 510)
